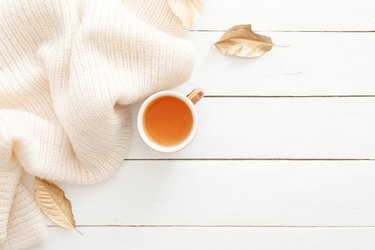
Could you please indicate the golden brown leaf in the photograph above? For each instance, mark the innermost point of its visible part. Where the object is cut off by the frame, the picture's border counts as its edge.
(242, 41)
(186, 10)
(51, 199)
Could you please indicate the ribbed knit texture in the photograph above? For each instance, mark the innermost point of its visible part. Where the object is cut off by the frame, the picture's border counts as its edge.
(69, 69)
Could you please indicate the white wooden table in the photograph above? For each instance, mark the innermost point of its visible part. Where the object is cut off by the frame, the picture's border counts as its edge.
(285, 153)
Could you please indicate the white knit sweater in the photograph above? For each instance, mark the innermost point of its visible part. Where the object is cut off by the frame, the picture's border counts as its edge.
(68, 71)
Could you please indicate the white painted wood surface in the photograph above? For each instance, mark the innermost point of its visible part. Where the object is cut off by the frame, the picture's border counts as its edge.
(172, 238)
(231, 193)
(334, 128)
(285, 154)
(289, 15)
(334, 63)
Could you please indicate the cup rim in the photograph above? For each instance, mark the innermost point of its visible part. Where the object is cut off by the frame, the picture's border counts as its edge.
(142, 130)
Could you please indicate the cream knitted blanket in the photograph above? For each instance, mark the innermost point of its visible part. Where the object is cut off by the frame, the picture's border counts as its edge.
(68, 71)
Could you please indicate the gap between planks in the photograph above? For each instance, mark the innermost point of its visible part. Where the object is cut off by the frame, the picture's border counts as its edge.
(294, 31)
(289, 96)
(248, 159)
(214, 226)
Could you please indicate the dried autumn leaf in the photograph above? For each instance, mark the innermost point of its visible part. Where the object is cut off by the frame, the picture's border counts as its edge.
(51, 199)
(186, 10)
(242, 41)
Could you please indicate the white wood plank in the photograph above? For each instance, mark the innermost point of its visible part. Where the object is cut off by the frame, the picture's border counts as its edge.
(313, 64)
(210, 238)
(291, 15)
(255, 193)
(276, 128)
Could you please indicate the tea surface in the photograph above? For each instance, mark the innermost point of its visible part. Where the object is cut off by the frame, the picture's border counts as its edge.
(168, 120)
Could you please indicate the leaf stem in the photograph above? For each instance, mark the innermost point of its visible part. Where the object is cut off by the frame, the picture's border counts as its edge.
(78, 231)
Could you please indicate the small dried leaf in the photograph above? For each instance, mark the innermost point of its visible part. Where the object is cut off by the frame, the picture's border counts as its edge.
(186, 10)
(51, 199)
(242, 41)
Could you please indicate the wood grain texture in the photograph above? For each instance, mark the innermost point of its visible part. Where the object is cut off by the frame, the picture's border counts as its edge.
(313, 64)
(289, 15)
(227, 193)
(210, 238)
(338, 128)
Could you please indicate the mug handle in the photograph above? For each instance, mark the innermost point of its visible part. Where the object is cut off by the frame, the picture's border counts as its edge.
(195, 95)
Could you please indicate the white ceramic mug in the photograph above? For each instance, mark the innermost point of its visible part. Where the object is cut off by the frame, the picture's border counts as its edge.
(190, 100)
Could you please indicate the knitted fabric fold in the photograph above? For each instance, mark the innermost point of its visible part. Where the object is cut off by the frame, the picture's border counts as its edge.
(68, 72)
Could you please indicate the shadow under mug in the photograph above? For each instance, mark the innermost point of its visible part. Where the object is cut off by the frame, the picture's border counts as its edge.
(190, 100)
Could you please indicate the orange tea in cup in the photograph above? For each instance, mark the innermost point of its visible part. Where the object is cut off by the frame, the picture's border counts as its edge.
(168, 120)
